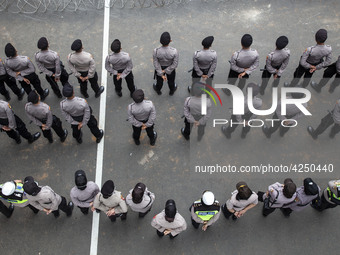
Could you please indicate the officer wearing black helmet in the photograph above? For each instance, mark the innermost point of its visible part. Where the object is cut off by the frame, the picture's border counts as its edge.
(40, 114)
(22, 69)
(276, 63)
(49, 63)
(83, 194)
(204, 63)
(165, 61)
(78, 113)
(142, 115)
(120, 65)
(83, 67)
(169, 221)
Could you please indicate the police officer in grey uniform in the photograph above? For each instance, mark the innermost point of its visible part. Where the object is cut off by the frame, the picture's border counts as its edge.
(49, 63)
(11, 83)
(120, 65)
(330, 197)
(277, 196)
(205, 62)
(330, 71)
(332, 117)
(245, 118)
(276, 63)
(243, 63)
(83, 194)
(169, 221)
(83, 67)
(142, 115)
(78, 113)
(22, 69)
(13, 125)
(313, 59)
(111, 202)
(40, 114)
(308, 194)
(140, 199)
(45, 199)
(165, 61)
(292, 113)
(192, 112)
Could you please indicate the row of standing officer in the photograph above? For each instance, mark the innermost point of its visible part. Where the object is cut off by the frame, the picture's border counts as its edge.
(86, 195)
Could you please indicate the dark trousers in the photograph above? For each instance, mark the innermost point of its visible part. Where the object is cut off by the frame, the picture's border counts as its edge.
(326, 122)
(22, 130)
(265, 79)
(188, 127)
(93, 126)
(57, 127)
(138, 130)
(35, 81)
(324, 204)
(196, 78)
(4, 209)
(286, 211)
(64, 207)
(194, 223)
(226, 212)
(231, 129)
(276, 126)
(329, 72)
(11, 83)
(84, 210)
(63, 79)
(35, 210)
(233, 76)
(299, 72)
(93, 81)
(171, 80)
(129, 81)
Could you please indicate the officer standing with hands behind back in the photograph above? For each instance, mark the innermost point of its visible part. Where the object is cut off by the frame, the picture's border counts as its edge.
(165, 61)
(78, 113)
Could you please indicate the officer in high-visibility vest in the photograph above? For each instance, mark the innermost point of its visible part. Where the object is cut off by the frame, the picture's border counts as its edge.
(205, 210)
(13, 193)
(330, 197)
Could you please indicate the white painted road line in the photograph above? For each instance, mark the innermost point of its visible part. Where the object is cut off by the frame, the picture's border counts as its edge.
(102, 112)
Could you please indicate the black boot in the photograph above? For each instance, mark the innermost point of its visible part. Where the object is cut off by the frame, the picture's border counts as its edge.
(70, 206)
(63, 138)
(311, 131)
(34, 137)
(101, 90)
(184, 135)
(155, 89)
(315, 86)
(266, 132)
(7, 96)
(45, 94)
(153, 141)
(224, 130)
(21, 94)
(79, 139)
(99, 138)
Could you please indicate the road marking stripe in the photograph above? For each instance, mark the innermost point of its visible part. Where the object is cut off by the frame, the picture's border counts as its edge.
(102, 112)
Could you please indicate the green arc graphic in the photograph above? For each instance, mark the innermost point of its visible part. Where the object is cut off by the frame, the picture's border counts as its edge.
(210, 95)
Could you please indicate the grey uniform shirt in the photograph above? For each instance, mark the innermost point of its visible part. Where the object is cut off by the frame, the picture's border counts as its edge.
(83, 198)
(302, 200)
(48, 59)
(119, 61)
(45, 199)
(115, 201)
(192, 110)
(243, 59)
(21, 64)
(6, 113)
(145, 205)
(257, 103)
(277, 61)
(75, 107)
(38, 112)
(205, 59)
(137, 113)
(276, 194)
(336, 112)
(165, 56)
(177, 226)
(2, 67)
(315, 55)
(81, 62)
(238, 205)
(292, 112)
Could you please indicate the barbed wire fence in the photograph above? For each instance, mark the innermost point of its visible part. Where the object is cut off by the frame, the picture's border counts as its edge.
(34, 6)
